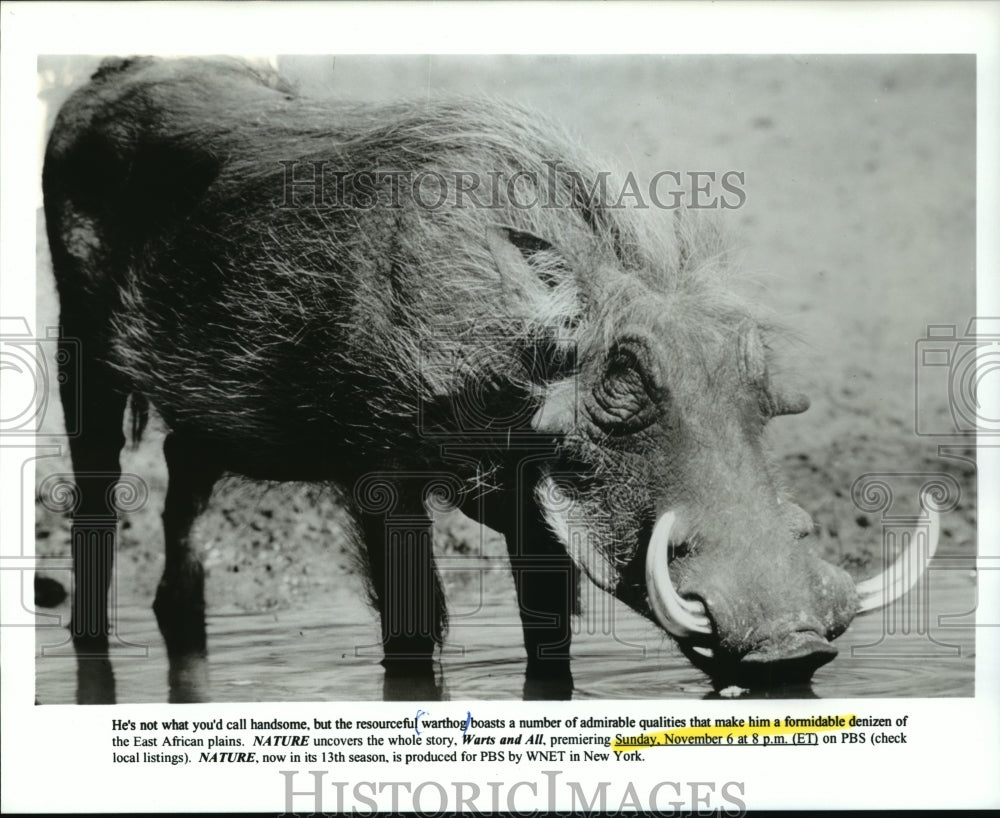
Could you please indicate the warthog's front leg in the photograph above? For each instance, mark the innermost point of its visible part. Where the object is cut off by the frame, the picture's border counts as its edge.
(405, 587)
(546, 581)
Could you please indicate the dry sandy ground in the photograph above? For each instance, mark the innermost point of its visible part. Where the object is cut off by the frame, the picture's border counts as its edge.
(858, 232)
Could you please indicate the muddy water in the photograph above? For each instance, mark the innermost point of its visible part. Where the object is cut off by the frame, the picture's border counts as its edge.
(328, 653)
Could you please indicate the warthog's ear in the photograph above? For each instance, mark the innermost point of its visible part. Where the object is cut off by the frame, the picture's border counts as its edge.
(537, 281)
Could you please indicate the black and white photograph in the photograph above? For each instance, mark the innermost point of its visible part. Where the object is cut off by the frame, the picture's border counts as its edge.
(507, 375)
(475, 401)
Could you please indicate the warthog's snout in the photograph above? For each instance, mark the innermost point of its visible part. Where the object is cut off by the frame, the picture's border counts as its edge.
(757, 622)
(795, 654)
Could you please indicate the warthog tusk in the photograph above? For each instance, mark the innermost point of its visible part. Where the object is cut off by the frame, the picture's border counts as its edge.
(682, 618)
(905, 570)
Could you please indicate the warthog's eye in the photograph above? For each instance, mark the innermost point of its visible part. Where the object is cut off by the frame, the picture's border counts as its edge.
(626, 397)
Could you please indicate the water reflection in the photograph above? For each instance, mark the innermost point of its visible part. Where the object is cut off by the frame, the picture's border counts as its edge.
(792, 691)
(95, 680)
(326, 654)
(187, 678)
(422, 688)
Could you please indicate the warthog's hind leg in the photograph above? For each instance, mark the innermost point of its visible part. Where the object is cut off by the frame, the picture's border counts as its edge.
(94, 402)
(180, 597)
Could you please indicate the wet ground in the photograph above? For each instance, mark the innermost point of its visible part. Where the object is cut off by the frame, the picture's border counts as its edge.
(328, 652)
(858, 232)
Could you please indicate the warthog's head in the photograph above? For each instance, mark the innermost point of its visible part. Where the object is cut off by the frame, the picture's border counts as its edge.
(663, 491)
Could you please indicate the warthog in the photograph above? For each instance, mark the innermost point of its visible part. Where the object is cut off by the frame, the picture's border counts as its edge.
(325, 292)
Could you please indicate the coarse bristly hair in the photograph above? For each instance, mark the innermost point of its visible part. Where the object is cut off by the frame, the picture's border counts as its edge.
(244, 318)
